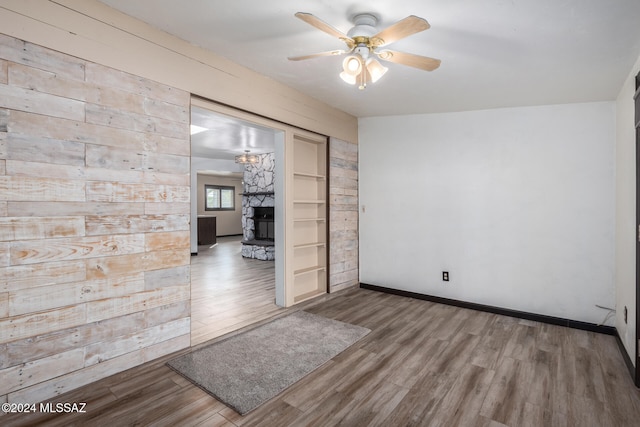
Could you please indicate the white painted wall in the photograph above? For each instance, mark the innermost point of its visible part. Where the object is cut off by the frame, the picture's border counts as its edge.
(517, 204)
(625, 277)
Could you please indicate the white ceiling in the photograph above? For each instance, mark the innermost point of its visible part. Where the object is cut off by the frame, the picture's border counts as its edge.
(225, 136)
(495, 53)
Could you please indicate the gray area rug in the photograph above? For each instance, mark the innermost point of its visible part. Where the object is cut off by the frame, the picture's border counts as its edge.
(248, 369)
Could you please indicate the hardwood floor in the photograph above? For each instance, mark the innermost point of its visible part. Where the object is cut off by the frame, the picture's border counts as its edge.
(422, 364)
(229, 292)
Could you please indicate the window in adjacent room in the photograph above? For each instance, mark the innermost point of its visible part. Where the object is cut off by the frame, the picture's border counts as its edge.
(219, 198)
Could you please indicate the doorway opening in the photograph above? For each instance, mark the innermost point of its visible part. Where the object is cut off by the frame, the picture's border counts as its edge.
(233, 282)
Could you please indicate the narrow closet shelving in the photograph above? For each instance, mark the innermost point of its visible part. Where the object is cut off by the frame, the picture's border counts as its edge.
(310, 261)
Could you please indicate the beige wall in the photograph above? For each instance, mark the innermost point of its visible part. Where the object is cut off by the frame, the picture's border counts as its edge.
(94, 221)
(99, 282)
(227, 222)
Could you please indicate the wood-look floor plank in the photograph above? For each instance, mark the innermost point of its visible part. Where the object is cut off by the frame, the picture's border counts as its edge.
(323, 414)
(416, 363)
(229, 292)
(504, 401)
(276, 413)
(321, 383)
(372, 407)
(417, 407)
(423, 364)
(462, 402)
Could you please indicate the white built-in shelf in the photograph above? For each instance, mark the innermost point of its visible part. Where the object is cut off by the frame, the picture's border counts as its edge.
(316, 202)
(309, 227)
(309, 270)
(308, 295)
(309, 219)
(309, 175)
(310, 245)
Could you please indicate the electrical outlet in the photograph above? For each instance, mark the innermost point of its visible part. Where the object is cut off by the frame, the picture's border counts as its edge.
(445, 276)
(625, 314)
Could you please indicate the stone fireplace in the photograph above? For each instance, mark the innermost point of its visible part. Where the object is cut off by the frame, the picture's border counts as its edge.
(263, 224)
(258, 200)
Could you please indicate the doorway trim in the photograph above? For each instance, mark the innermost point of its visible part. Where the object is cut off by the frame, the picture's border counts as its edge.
(636, 356)
(284, 262)
(245, 116)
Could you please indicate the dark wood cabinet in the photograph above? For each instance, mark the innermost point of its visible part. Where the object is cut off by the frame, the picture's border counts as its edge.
(206, 230)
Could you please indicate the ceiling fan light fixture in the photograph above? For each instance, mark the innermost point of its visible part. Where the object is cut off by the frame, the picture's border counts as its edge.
(376, 70)
(247, 158)
(352, 65)
(348, 78)
(364, 41)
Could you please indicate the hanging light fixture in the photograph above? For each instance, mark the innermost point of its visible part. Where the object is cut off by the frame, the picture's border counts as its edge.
(361, 69)
(247, 158)
(375, 69)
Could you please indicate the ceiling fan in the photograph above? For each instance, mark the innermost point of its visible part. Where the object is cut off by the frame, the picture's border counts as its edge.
(363, 42)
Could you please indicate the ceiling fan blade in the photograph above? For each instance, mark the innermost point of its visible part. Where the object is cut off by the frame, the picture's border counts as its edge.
(316, 55)
(401, 29)
(416, 61)
(323, 26)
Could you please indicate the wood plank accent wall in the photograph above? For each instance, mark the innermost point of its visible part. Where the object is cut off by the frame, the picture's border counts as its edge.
(92, 30)
(343, 212)
(94, 221)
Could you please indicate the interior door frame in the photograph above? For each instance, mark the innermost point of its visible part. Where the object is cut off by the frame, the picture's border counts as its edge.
(283, 261)
(636, 99)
